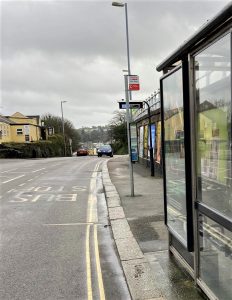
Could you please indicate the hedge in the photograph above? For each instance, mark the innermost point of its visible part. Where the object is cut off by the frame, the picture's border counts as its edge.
(49, 148)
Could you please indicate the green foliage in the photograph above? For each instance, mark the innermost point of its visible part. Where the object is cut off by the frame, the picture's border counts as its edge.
(118, 132)
(69, 130)
(95, 134)
(52, 147)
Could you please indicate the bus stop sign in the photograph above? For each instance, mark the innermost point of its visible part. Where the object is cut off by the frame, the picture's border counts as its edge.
(133, 83)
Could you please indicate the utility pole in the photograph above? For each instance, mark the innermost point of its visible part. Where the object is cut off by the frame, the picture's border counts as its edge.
(61, 103)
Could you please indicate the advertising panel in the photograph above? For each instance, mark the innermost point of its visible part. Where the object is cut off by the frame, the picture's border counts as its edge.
(153, 130)
(158, 151)
(145, 141)
(141, 141)
(133, 142)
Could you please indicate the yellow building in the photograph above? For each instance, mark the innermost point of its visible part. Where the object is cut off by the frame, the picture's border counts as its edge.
(5, 130)
(20, 129)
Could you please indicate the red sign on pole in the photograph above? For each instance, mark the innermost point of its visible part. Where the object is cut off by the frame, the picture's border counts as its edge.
(133, 83)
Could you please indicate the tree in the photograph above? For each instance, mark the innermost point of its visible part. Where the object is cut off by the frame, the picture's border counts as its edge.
(69, 130)
(118, 132)
(94, 134)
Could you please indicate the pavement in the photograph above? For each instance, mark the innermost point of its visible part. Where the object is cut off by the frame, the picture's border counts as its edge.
(140, 235)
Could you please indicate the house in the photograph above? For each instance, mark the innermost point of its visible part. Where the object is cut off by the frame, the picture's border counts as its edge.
(19, 128)
(5, 130)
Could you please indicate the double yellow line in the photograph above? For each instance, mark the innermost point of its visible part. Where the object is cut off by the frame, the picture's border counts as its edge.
(92, 220)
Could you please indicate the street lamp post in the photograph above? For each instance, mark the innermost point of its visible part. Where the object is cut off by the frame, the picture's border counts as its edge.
(150, 148)
(120, 4)
(61, 103)
(128, 95)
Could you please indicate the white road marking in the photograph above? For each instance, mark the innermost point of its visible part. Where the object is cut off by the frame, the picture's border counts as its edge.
(19, 199)
(69, 224)
(13, 179)
(79, 188)
(60, 189)
(10, 190)
(66, 197)
(8, 171)
(43, 188)
(29, 179)
(47, 197)
(38, 170)
(22, 184)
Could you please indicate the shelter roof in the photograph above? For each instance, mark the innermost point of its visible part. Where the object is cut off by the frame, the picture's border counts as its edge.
(211, 27)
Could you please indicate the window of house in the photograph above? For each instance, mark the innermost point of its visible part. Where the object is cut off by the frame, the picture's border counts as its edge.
(19, 131)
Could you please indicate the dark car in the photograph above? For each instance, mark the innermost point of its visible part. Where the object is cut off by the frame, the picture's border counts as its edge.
(83, 151)
(105, 150)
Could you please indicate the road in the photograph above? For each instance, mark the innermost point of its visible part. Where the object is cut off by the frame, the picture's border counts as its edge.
(55, 238)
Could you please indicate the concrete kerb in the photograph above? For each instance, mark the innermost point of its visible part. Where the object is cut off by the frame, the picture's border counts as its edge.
(138, 274)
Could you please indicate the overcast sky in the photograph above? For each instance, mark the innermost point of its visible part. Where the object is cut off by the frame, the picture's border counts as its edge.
(76, 51)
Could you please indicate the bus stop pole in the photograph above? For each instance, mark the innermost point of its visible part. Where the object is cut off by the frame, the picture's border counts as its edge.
(128, 135)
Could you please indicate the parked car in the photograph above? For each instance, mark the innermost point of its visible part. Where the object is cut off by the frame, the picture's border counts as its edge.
(105, 150)
(83, 151)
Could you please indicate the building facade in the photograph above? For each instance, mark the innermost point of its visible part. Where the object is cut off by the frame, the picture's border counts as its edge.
(19, 128)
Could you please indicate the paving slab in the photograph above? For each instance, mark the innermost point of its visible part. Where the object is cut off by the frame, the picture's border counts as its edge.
(121, 229)
(111, 193)
(113, 201)
(129, 249)
(110, 188)
(116, 213)
(140, 280)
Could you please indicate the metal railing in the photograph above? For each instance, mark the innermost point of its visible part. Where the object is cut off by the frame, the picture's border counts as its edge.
(154, 103)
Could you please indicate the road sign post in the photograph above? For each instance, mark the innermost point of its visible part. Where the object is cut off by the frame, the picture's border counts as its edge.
(128, 135)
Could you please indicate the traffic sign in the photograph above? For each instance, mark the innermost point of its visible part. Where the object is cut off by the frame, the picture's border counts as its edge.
(122, 105)
(133, 83)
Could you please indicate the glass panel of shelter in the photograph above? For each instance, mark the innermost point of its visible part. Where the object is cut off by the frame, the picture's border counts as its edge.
(214, 170)
(174, 154)
(213, 97)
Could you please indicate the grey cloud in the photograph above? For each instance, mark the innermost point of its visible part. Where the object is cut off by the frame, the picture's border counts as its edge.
(76, 50)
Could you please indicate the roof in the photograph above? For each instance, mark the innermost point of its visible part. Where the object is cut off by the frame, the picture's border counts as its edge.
(207, 29)
(5, 120)
(18, 115)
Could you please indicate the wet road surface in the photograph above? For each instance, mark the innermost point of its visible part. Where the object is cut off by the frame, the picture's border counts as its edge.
(55, 238)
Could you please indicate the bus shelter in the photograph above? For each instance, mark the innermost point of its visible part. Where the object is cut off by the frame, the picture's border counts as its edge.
(197, 144)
